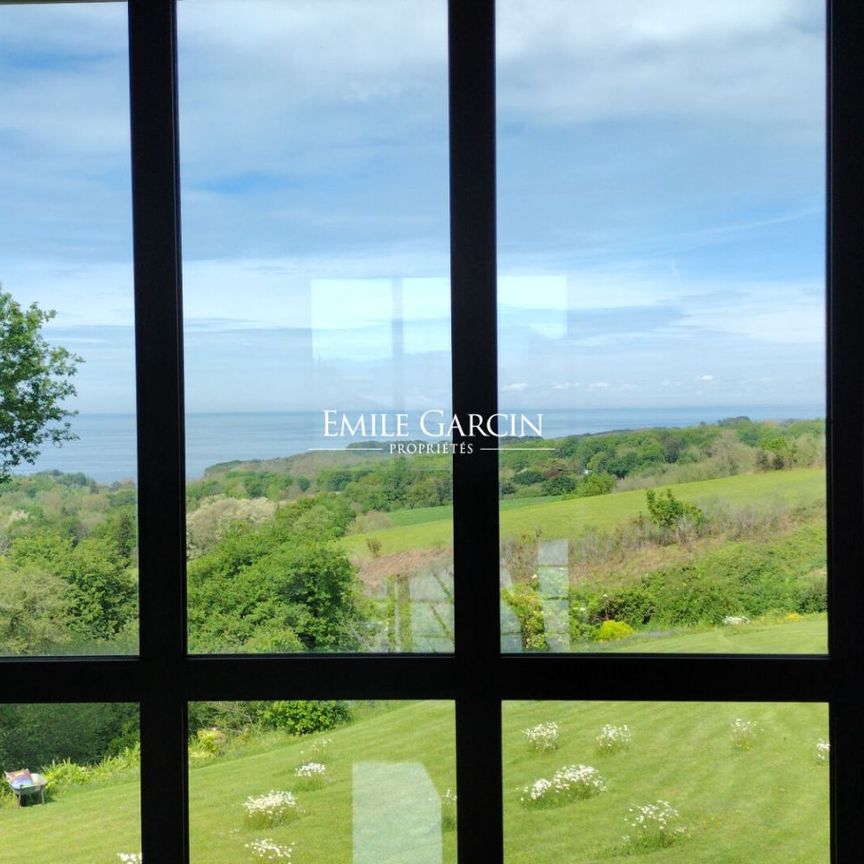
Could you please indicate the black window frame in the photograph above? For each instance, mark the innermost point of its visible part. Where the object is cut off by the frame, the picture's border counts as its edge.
(163, 678)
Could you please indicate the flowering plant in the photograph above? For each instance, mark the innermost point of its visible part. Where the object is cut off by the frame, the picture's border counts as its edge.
(743, 733)
(612, 739)
(569, 783)
(823, 749)
(448, 811)
(543, 736)
(655, 825)
(311, 775)
(320, 746)
(273, 808)
(269, 850)
(131, 857)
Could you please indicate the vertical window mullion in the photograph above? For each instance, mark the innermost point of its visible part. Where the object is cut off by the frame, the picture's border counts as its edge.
(475, 476)
(152, 52)
(846, 419)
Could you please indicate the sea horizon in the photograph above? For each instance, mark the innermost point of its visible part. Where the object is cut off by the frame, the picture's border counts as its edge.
(106, 447)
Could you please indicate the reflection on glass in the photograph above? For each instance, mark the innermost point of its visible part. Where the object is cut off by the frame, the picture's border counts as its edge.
(68, 556)
(665, 782)
(661, 304)
(315, 194)
(69, 782)
(372, 783)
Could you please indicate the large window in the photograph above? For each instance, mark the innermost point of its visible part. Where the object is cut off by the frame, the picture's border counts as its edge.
(494, 638)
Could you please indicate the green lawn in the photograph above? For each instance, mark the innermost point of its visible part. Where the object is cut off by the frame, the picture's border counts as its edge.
(808, 636)
(766, 805)
(432, 526)
(87, 826)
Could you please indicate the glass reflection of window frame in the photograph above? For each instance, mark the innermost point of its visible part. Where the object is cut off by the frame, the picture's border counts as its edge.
(164, 678)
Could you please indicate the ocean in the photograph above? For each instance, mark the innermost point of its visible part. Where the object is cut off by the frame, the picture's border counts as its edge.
(106, 449)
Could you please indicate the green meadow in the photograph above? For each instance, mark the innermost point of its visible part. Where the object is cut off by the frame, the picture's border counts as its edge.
(556, 517)
(768, 803)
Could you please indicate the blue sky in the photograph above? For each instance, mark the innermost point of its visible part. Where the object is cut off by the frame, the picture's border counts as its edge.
(661, 200)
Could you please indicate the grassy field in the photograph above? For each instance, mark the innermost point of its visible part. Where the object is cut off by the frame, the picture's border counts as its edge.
(766, 805)
(431, 526)
(807, 636)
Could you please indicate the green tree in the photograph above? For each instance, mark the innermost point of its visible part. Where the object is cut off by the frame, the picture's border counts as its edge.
(777, 453)
(101, 590)
(33, 609)
(35, 380)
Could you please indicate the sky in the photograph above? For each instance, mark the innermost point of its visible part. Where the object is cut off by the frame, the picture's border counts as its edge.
(660, 201)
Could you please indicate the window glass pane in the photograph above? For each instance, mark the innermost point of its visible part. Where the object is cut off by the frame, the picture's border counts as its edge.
(68, 556)
(322, 782)
(316, 262)
(69, 790)
(661, 305)
(665, 782)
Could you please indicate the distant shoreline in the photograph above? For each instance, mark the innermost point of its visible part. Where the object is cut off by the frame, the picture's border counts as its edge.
(106, 446)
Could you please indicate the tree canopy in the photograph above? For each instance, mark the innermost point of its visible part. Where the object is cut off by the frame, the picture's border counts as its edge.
(35, 381)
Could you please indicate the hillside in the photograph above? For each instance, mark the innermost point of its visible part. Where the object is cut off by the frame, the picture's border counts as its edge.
(767, 804)
(568, 517)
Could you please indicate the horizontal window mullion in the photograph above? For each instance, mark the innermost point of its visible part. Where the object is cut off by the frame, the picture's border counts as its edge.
(671, 677)
(102, 679)
(549, 676)
(321, 677)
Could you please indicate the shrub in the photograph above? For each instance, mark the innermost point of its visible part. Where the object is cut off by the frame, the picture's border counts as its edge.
(302, 717)
(207, 744)
(527, 605)
(776, 453)
(581, 627)
(611, 630)
(571, 783)
(528, 477)
(599, 483)
(543, 736)
(738, 580)
(813, 597)
(63, 773)
(669, 513)
(562, 484)
(128, 759)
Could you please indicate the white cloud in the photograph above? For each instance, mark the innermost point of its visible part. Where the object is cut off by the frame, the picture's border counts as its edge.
(791, 313)
(576, 62)
(324, 96)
